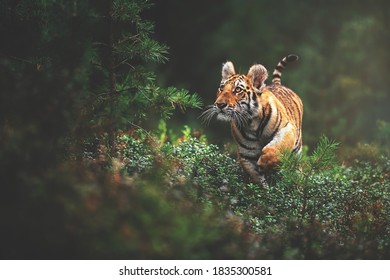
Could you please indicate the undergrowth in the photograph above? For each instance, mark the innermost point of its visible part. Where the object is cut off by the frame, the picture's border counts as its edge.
(187, 199)
(315, 207)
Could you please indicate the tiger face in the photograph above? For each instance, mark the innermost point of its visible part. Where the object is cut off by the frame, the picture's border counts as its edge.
(237, 95)
(265, 120)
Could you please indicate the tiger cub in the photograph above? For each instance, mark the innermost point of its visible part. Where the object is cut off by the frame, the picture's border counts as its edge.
(265, 119)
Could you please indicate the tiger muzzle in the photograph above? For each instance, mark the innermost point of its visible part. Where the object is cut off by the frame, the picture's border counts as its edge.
(221, 105)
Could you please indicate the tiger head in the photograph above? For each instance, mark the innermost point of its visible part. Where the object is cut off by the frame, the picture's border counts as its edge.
(237, 95)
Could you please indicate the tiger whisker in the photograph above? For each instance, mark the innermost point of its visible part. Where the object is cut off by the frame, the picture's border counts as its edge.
(208, 114)
(241, 118)
(237, 118)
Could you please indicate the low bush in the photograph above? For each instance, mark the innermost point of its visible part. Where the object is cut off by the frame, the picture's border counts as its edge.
(187, 199)
(314, 207)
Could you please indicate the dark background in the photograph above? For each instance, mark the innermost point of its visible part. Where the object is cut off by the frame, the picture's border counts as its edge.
(343, 49)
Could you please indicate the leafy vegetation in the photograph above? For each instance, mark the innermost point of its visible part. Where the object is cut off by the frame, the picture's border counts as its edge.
(90, 167)
(314, 208)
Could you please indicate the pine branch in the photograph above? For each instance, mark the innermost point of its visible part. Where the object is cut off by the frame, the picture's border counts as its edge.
(323, 157)
(182, 99)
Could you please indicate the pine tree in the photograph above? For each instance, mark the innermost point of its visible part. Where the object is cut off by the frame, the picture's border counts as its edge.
(68, 70)
(124, 91)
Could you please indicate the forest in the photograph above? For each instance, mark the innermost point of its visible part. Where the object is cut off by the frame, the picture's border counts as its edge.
(103, 154)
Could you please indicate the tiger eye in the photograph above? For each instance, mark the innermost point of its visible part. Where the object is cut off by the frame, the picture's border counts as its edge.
(237, 90)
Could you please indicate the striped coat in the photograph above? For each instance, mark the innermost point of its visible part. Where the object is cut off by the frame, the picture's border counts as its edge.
(265, 120)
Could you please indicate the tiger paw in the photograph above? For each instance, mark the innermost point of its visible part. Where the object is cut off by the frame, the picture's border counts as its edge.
(268, 160)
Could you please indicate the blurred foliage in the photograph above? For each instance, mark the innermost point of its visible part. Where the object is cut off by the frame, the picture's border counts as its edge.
(71, 73)
(90, 167)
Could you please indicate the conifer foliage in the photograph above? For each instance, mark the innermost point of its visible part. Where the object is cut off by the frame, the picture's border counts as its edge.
(70, 71)
(122, 83)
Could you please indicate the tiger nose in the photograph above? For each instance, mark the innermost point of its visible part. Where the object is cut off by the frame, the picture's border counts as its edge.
(221, 105)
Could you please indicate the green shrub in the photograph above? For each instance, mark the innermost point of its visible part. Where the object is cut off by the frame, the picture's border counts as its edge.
(136, 155)
(319, 209)
(203, 169)
(314, 207)
(205, 166)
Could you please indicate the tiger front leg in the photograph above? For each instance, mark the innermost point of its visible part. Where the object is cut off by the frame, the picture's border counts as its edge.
(251, 172)
(284, 140)
(269, 159)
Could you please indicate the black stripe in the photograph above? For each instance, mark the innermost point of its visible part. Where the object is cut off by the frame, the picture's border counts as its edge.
(298, 121)
(245, 136)
(276, 129)
(290, 109)
(297, 147)
(254, 99)
(291, 57)
(283, 62)
(254, 96)
(280, 68)
(264, 121)
(276, 76)
(298, 142)
(250, 157)
(269, 139)
(246, 146)
(289, 103)
(295, 150)
(278, 125)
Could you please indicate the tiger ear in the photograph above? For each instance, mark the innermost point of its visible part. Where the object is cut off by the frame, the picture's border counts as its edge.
(257, 75)
(227, 70)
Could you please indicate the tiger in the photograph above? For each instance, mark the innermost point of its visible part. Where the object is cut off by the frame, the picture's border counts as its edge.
(265, 120)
